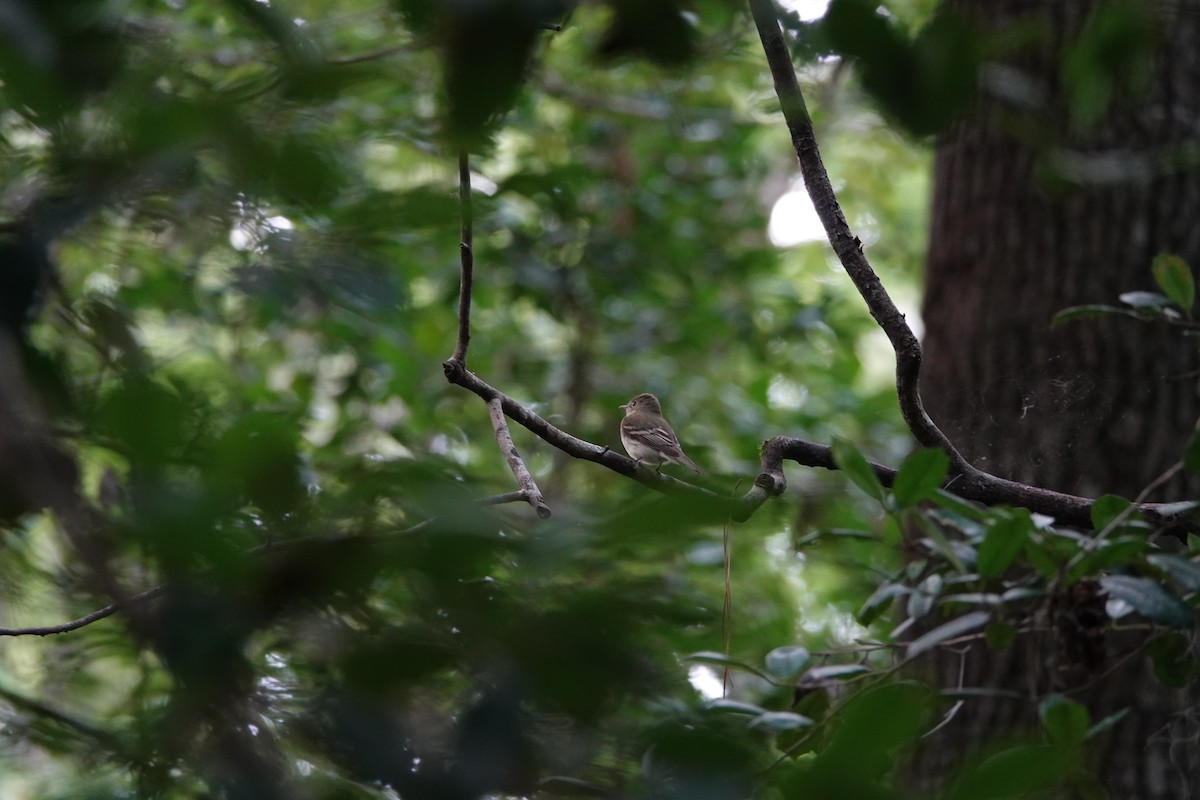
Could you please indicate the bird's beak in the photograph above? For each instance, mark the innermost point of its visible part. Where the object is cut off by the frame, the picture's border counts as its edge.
(623, 406)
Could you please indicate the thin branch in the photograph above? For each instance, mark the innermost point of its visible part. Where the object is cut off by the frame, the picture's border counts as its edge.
(86, 619)
(529, 489)
(499, 499)
(846, 245)
(466, 257)
(578, 448)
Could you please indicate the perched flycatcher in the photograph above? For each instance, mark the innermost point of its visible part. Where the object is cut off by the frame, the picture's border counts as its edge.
(647, 436)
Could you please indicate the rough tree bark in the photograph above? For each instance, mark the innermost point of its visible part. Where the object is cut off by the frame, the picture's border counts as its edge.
(1089, 407)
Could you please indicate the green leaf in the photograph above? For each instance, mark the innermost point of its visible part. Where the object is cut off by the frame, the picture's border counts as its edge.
(819, 674)
(780, 721)
(1152, 301)
(971, 530)
(1191, 454)
(989, 599)
(950, 630)
(871, 726)
(1001, 544)
(850, 461)
(720, 660)
(1019, 771)
(485, 50)
(1107, 508)
(1106, 723)
(1193, 544)
(1183, 572)
(811, 702)
(1066, 720)
(784, 662)
(1172, 659)
(147, 417)
(1173, 276)
(724, 706)
(957, 505)
(1039, 555)
(1021, 593)
(657, 31)
(921, 601)
(922, 82)
(1107, 554)
(258, 459)
(1085, 312)
(1150, 599)
(878, 601)
(919, 475)
(999, 635)
(1179, 508)
(954, 552)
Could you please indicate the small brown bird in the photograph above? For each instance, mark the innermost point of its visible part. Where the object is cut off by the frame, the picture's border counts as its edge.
(648, 438)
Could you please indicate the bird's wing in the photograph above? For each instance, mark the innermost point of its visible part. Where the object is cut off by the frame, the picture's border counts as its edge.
(660, 438)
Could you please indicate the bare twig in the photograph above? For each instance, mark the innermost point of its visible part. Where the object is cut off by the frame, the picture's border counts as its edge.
(529, 489)
(86, 619)
(466, 257)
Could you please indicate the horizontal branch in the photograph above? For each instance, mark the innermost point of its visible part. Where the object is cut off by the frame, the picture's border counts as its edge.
(1067, 509)
(499, 499)
(987, 490)
(571, 445)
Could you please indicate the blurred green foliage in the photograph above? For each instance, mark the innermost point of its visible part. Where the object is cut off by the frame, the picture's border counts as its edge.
(252, 211)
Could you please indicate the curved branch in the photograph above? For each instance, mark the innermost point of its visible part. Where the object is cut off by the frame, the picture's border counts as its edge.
(529, 489)
(846, 245)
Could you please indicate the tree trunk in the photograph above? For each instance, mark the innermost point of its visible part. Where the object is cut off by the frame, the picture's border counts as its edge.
(1033, 214)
